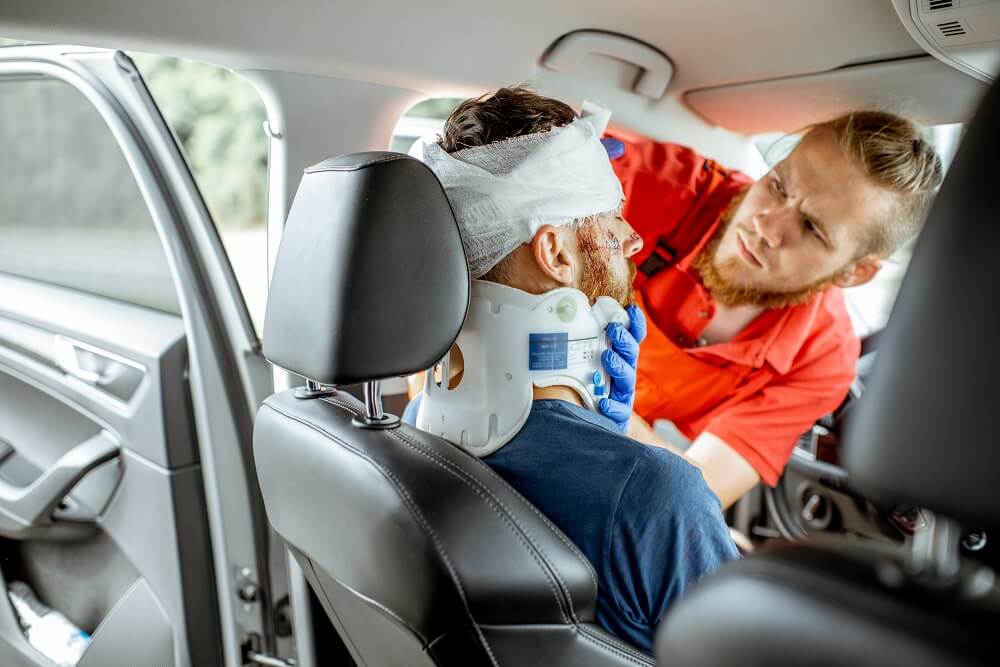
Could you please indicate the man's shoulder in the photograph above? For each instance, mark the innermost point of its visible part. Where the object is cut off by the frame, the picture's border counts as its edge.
(655, 475)
(665, 479)
(567, 420)
(586, 436)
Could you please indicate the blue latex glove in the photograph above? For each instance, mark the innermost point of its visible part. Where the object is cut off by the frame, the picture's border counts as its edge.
(614, 147)
(620, 362)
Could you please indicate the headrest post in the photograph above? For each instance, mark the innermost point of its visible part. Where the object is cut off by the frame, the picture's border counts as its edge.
(374, 416)
(315, 389)
(373, 400)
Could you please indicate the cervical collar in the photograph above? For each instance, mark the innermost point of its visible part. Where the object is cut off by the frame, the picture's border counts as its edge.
(510, 341)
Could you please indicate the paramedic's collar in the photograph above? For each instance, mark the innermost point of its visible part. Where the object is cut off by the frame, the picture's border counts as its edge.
(776, 337)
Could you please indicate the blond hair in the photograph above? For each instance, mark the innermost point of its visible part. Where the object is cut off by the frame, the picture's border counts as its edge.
(892, 152)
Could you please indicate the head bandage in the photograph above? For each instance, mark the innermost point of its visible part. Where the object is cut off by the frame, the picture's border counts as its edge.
(510, 341)
(502, 193)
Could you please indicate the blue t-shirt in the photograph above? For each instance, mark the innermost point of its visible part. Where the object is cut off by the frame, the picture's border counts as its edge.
(643, 516)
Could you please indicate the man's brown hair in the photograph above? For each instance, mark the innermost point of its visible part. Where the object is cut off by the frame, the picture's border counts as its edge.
(504, 114)
(891, 151)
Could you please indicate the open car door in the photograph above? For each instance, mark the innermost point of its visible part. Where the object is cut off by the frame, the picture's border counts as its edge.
(129, 374)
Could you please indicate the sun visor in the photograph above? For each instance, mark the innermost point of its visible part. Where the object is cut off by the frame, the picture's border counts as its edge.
(921, 88)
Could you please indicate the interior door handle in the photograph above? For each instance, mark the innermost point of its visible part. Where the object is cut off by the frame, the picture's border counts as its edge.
(100, 367)
(27, 511)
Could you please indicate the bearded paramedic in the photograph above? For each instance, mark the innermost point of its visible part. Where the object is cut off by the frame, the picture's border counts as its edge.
(749, 340)
(538, 206)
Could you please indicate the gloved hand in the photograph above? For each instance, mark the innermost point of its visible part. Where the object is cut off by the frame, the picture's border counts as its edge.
(620, 362)
(614, 147)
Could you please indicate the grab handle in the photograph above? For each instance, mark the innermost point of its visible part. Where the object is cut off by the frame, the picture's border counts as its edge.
(656, 70)
(26, 511)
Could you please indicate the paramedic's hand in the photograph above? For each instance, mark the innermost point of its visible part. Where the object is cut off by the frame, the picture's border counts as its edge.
(620, 362)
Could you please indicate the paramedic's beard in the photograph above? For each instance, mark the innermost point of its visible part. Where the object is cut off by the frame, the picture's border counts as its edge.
(717, 277)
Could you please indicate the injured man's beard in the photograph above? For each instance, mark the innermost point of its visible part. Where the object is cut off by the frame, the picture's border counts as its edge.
(717, 276)
(598, 279)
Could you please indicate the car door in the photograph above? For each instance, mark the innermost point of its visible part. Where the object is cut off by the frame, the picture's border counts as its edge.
(129, 374)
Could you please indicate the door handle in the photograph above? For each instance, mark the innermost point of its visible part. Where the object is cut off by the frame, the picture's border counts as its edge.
(27, 511)
(100, 367)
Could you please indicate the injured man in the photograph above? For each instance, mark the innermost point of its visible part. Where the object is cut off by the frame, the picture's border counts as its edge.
(534, 385)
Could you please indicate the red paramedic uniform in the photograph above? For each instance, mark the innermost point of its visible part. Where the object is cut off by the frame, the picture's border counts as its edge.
(759, 391)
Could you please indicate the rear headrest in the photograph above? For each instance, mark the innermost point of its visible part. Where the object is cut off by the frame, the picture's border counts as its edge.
(926, 428)
(371, 279)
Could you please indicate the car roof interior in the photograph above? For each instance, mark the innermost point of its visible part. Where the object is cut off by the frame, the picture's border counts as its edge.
(335, 77)
(809, 58)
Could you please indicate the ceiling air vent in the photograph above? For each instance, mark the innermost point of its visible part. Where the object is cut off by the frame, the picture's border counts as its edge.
(933, 5)
(951, 28)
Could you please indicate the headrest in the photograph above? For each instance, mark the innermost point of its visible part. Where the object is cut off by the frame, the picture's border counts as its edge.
(926, 428)
(370, 280)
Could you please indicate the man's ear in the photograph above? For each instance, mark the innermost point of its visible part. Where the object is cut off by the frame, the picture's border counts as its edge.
(552, 254)
(859, 271)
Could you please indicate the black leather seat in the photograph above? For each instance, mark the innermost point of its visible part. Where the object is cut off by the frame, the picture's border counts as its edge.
(419, 553)
(924, 433)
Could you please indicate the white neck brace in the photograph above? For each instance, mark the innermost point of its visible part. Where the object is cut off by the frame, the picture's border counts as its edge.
(510, 341)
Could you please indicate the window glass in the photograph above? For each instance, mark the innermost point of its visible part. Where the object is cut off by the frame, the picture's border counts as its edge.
(71, 213)
(423, 121)
(218, 119)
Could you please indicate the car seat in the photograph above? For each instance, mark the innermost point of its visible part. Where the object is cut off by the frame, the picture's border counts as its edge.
(925, 434)
(419, 553)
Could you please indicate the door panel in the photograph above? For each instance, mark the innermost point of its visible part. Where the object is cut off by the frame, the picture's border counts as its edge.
(137, 522)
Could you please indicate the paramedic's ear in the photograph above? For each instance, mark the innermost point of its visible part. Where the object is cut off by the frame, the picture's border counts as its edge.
(553, 254)
(859, 271)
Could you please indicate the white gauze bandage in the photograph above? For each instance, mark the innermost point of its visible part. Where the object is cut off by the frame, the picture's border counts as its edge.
(504, 192)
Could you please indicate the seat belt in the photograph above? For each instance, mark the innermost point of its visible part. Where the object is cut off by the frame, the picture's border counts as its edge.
(662, 257)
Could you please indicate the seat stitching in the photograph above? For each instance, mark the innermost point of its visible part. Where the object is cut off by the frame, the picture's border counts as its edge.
(404, 494)
(607, 639)
(521, 535)
(523, 539)
(379, 607)
(350, 639)
(569, 544)
(572, 547)
(465, 477)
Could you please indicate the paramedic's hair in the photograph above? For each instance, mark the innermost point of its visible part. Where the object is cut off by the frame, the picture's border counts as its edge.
(504, 114)
(892, 152)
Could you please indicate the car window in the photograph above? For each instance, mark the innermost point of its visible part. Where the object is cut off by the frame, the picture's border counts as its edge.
(424, 121)
(71, 212)
(218, 119)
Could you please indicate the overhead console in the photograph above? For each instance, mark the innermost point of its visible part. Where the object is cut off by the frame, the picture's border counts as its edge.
(962, 33)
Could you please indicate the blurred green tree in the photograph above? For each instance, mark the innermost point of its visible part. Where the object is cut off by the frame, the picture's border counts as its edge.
(218, 118)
